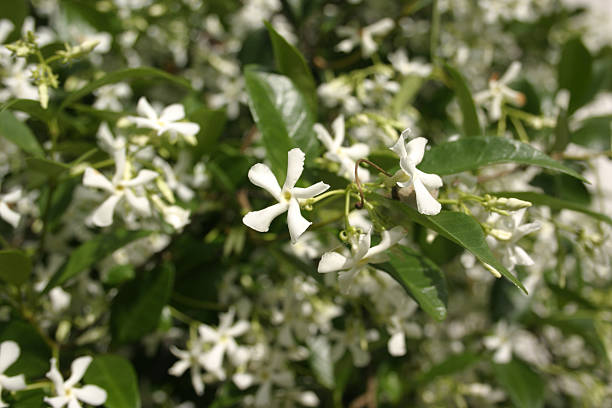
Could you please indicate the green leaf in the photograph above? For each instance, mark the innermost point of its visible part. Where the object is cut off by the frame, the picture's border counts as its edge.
(123, 75)
(525, 386)
(471, 126)
(290, 62)
(321, 362)
(16, 132)
(47, 167)
(282, 117)
(29, 106)
(119, 274)
(212, 123)
(409, 87)
(29, 399)
(420, 277)
(458, 227)
(451, 365)
(15, 266)
(117, 377)
(575, 72)
(92, 251)
(35, 353)
(553, 203)
(474, 152)
(137, 308)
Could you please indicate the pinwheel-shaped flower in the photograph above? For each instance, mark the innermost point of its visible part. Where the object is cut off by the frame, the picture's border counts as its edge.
(499, 92)
(67, 393)
(361, 255)
(9, 353)
(6, 212)
(345, 156)
(168, 121)
(119, 187)
(410, 155)
(288, 197)
(364, 36)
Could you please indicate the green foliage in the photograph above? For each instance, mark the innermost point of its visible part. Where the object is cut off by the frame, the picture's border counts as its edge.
(18, 133)
(575, 72)
(15, 266)
(525, 386)
(116, 375)
(471, 126)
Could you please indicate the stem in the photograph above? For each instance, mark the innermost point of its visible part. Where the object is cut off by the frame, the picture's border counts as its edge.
(323, 196)
(358, 183)
(347, 206)
(520, 129)
(182, 317)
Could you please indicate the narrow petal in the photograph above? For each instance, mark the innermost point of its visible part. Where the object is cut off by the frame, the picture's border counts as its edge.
(389, 238)
(338, 129)
(528, 228)
(93, 178)
(8, 215)
(77, 369)
(103, 215)
(381, 27)
(324, 136)
(55, 376)
(426, 204)
(243, 380)
(332, 262)
(143, 177)
(400, 147)
(139, 203)
(57, 402)
(260, 220)
(363, 245)
(213, 359)
(357, 151)
(181, 354)
(262, 176)
(179, 368)
(15, 383)
(208, 334)
(172, 113)
(521, 257)
(196, 380)
(397, 344)
(295, 166)
(495, 108)
(239, 328)
(311, 191)
(431, 181)
(511, 73)
(297, 224)
(73, 402)
(9, 353)
(13, 196)
(144, 108)
(416, 149)
(346, 45)
(184, 128)
(91, 394)
(120, 163)
(368, 45)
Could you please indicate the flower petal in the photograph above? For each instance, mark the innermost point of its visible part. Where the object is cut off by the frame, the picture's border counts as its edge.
(381, 27)
(431, 181)
(57, 402)
(426, 204)
(196, 380)
(311, 191)
(357, 151)
(511, 73)
(93, 178)
(362, 246)
(139, 203)
(400, 146)
(297, 224)
(324, 136)
(55, 376)
(9, 353)
(184, 128)
(144, 176)
(397, 344)
(260, 220)
(338, 129)
(77, 369)
(91, 394)
(295, 166)
(389, 238)
(239, 328)
(208, 334)
(15, 383)
(8, 215)
(416, 149)
(332, 262)
(243, 380)
(103, 215)
(213, 359)
(262, 176)
(172, 113)
(144, 108)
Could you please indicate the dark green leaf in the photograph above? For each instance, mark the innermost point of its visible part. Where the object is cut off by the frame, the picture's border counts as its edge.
(562, 132)
(123, 75)
(15, 11)
(117, 376)
(35, 353)
(16, 132)
(575, 72)
(554, 203)
(29, 399)
(422, 278)
(451, 365)
(409, 87)
(458, 227)
(290, 62)
(47, 167)
(282, 117)
(137, 308)
(212, 123)
(525, 386)
(474, 152)
(471, 126)
(119, 274)
(15, 266)
(92, 251)
(594, 133)
(29, 106)
(321, 362)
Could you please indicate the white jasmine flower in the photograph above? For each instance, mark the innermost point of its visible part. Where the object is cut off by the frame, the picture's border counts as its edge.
(190, 358)
(231, 95)
(17, 79)
(67, 393)
(167, 122)
(174, 215)
(108, 96)
(410, 155)
(339, 91)
(9, 353)
(499, 92)
(399, 330)
(401, 63)
(6, 202)
(287, 197)
(364, 36)
(345, 156)
(362, 255)
(507, 339)
(121, 185)
(507, 232)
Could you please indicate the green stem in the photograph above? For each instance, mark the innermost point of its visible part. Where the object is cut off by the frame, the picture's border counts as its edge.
(520, 129)
(323, 196)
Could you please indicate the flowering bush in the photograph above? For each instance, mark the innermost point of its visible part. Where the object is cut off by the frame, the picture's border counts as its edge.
(445, 174)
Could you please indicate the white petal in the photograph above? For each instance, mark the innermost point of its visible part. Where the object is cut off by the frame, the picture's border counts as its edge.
(103, 215)
(172, 113)
(73, 402)
(297, 224)
(213, 359)
(521, 257)
(8, 215)
(9, 353)
(431, 181)
(77, 370)
(208, 334)
(239, 328)
(143, 177)
(426, 204)
(324, 136)
(179, 368)
(528, 228)
(260, 220)
(15, 383)
(13, 196)
(400, 147)
(243, 380)
(397, 344)
(93, 178)
(262, 176)
(381, 27)
(55, 376)
(311, 191)
(184, 128)
(346, 45)
(416, 149)
(363, 245)
(332, 262)
(263, 397)
(90, 394)
(120, 164)
(144, 108)
(511, 73)
(181, 354)
(338, 128)
(57, 402)
(504, 354)
(295, 166)
(196, 380)
(357, 151)
(368, 45)
(139, 203)
(495, 108)
(389, 238)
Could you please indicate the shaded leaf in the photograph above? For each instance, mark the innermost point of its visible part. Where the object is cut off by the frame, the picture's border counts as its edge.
(575, 72)
(35, 353)
(116, 375)
(451, 365)
(16, 132)
(15, 266)
(525, 386)
(471, 126)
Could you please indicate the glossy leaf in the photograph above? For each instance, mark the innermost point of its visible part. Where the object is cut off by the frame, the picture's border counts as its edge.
(116, 375)
(35, 353)
(458, 227)
(422, 278)
(475, 152)
(525, 386)
(471, 126)
(290, 62)
(93, 251)
(29, 106)
(575, 72)
(282, 117)
(137, 308)
(15, 266)
(16, 132)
